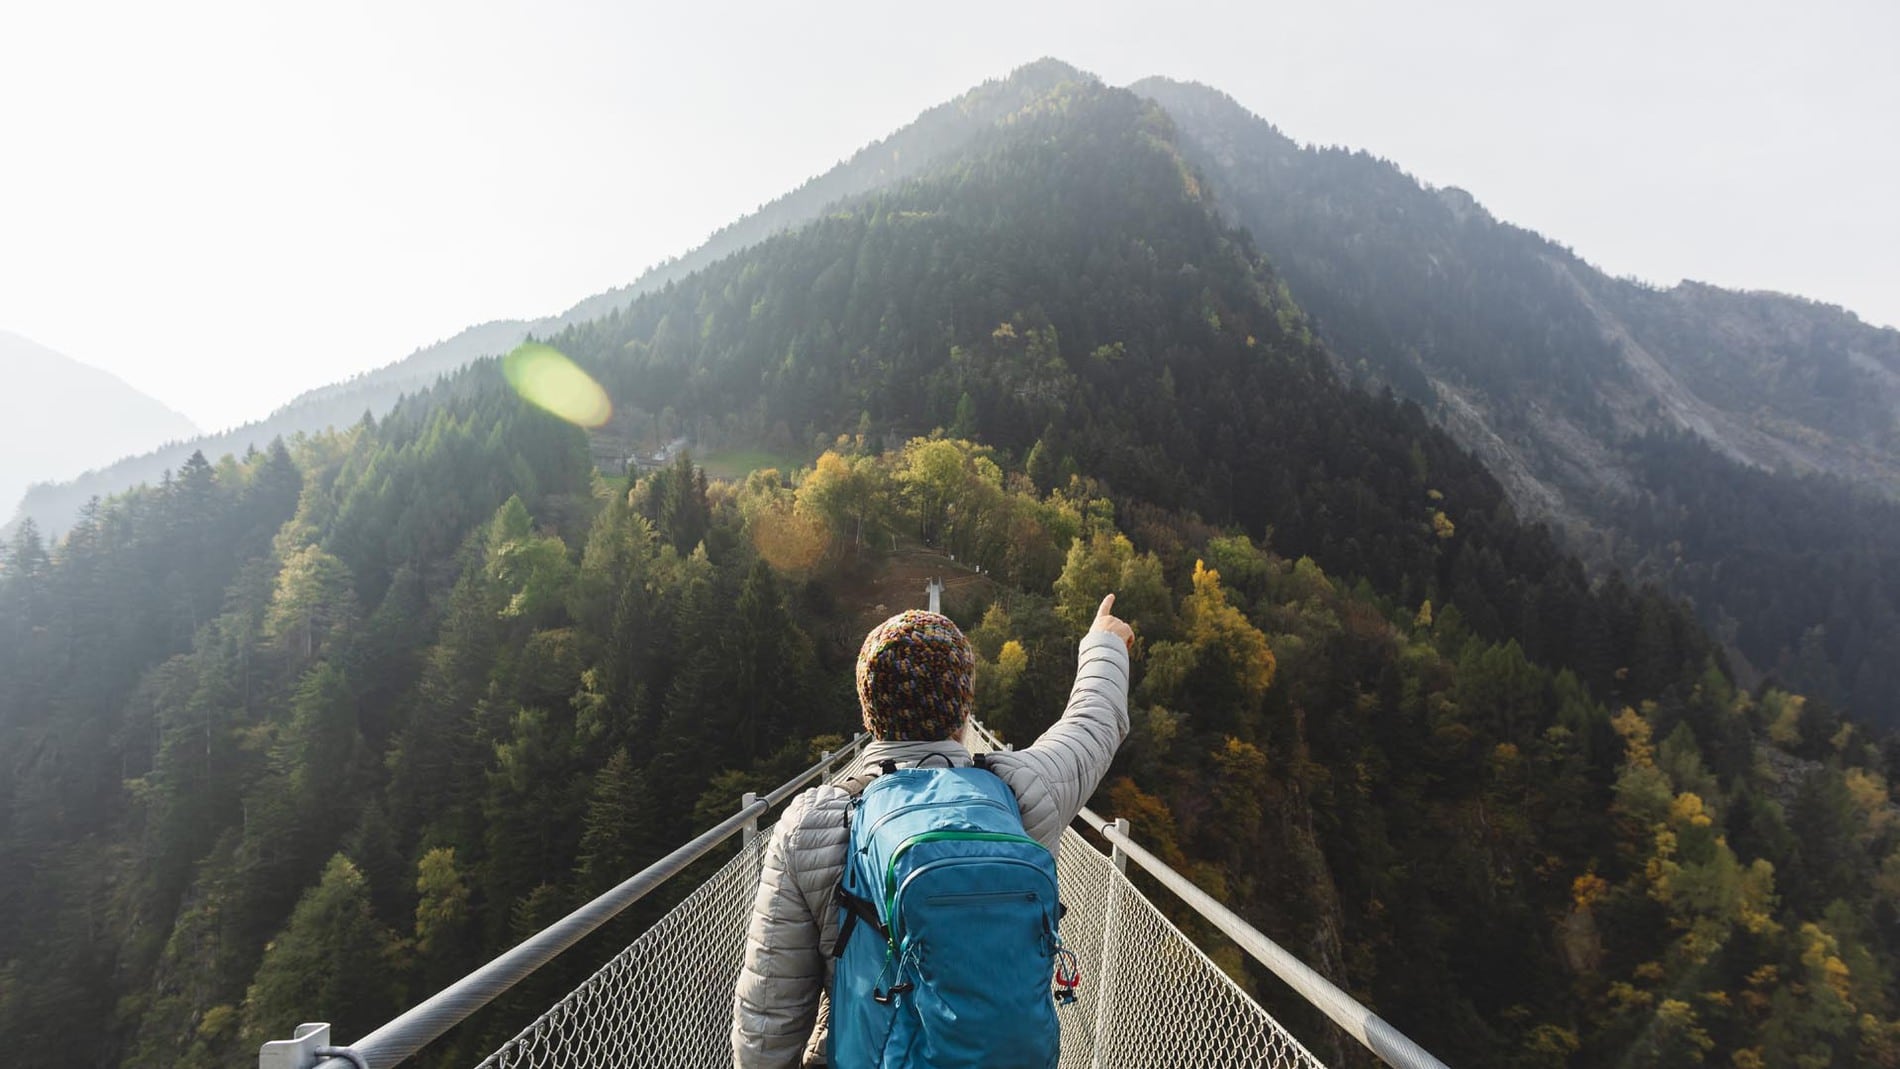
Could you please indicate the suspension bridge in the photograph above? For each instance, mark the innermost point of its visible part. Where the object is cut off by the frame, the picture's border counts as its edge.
(1150, 997)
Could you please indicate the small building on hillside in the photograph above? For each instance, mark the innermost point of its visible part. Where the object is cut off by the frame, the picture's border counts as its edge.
(661, 457)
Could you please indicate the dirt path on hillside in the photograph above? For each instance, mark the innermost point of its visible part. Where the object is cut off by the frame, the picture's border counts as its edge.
(898, 582)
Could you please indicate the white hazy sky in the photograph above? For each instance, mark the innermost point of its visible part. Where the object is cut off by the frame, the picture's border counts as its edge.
(225, 203)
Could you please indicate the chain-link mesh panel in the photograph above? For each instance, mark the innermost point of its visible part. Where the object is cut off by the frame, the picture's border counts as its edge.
(1149, 997)
(666, 1000)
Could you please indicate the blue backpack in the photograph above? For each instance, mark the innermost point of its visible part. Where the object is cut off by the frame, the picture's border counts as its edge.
(947, 929)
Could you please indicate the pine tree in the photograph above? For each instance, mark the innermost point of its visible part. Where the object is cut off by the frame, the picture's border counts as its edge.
(332, 962)
(444, 944)
(619, 835)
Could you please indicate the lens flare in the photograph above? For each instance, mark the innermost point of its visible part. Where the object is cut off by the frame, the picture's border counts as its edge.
(546, 378)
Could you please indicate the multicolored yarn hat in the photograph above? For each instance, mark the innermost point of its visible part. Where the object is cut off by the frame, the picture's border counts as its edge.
(915, 676)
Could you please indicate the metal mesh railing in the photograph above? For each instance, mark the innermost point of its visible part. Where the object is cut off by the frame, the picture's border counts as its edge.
(1149, 997)
(666, 1000)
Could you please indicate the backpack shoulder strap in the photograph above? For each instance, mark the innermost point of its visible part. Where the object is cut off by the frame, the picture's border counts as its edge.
(851, 908)
(854, 785)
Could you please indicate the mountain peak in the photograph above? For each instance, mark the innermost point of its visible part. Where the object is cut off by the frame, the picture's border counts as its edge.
(1048, 71)
(1463, 205)
(1213, 110)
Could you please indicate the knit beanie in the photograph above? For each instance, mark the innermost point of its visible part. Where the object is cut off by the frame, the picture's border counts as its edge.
(914, 678)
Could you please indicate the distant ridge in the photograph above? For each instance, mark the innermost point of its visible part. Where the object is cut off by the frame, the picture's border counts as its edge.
(936, 132)
(1534, 358)
(58, 417)
(1742, 448)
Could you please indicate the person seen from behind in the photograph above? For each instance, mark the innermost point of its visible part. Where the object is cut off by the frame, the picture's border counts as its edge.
(915, 689)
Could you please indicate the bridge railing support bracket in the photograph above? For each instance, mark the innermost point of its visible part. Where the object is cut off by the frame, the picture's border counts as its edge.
(297, 1052)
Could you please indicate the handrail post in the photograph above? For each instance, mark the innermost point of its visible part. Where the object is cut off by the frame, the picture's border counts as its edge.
(751, 830)
(1111, 927)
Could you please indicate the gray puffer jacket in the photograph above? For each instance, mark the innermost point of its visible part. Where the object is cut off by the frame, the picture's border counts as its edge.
(794, 922)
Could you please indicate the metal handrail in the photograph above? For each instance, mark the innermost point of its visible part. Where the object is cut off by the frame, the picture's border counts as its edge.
(1388, 1043)
(424, 1023)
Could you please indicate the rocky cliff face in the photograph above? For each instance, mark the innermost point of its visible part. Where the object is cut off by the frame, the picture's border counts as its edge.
(1782, 383)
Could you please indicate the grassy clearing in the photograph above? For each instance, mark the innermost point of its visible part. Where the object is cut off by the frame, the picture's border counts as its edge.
(738, 463)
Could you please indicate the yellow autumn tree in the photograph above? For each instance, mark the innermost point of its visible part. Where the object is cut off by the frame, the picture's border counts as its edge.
(789, 538)
(1221, 632)
(1106, 562)
(844, 492)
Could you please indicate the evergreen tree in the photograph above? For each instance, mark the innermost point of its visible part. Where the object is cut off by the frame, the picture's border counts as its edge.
(333, 961)
(619, 835)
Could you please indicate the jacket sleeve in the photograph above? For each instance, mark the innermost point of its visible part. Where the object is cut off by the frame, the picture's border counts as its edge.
(777, 997)
(1055, 776)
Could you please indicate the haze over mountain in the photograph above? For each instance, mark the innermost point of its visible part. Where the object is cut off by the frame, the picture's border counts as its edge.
(1539, 361)
(937, 131)
(321, 729)
(59, 417)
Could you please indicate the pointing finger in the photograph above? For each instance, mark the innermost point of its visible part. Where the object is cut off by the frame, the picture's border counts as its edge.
(1108, 607)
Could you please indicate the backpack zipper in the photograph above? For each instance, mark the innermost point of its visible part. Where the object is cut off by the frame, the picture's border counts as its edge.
(971, 898)
(914, 806)
(890, 875)
(890, 869)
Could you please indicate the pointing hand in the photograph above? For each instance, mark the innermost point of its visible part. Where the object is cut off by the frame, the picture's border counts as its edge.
(1106, 620)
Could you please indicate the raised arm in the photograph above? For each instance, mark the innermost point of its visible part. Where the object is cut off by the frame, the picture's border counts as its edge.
(1054, 776)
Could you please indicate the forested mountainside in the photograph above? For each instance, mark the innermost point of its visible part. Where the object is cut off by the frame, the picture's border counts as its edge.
(307, 733)
(59, 416)
(1557, 375)
(1806, 568)
(938, 131)
(1550, 371)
